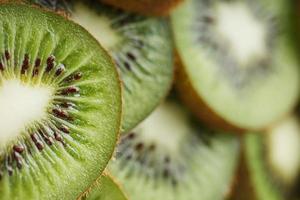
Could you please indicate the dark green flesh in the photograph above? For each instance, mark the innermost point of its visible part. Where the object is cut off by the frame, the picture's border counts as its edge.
(78, 137)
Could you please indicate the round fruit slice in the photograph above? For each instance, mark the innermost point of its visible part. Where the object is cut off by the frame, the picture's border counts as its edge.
(141, 48)
(60, 106)
(272, 162)
(145, 7)
(169, 156)
(239, 66)
(105, 189)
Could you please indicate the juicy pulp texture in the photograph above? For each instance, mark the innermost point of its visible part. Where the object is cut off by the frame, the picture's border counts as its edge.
(246, 82)
(170, 156)
(65, 94)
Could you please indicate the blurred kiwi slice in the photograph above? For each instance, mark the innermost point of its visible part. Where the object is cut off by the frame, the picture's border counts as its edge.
(145, 7)
(169, 155)
(239, 67)
(60, 104)
(271, 162)
(140, 46)
(106, 188)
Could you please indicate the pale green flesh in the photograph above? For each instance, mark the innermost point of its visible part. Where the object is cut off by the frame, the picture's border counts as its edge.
(272, 174)
(201, 164)
(151, 74)
(53, 172)
(265, 98)
(106, 189)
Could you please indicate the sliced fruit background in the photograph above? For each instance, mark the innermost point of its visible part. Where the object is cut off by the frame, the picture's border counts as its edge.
(201, 95)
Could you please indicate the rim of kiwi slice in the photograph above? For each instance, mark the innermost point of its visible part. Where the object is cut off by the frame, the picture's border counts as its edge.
(105, 188)
(170, 155)
(61, 103)
(239, 64)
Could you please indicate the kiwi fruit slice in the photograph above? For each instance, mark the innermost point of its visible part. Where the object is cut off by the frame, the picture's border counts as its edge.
(239, 67)
(60, 102)
(170, 156)
(271, 162)
(145, 7)
(141, 48)
(106, 188)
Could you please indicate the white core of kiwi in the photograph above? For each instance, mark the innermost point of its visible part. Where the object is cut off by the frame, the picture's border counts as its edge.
(245, 34)
(284, 148)
(98, 26)
(20, 105)
(169, 133)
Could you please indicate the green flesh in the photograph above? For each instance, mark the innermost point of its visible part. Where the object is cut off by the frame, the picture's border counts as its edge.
(53, 164)
(249, 94)
(170, 156)
(140, 46)
(106, 189)
(271, 181)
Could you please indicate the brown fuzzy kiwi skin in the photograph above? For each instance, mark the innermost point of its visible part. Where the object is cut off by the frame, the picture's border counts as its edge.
(243, 189)
(145, 7)
(192, 100)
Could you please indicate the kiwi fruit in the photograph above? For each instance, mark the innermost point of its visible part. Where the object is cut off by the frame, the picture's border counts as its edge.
(106, 188)
(238, 63)
(60, 102)
(271, 163)
(145, 7)
(170, 156)
(141, 48)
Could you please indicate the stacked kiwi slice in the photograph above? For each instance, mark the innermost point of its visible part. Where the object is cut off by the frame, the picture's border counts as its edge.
(141, 47)
(91, 107)
(239, 66)
(60, 102)
(171, 156)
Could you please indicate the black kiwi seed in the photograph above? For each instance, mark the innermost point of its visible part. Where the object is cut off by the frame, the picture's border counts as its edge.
(50, 63)
(7, 55)
(25, 64)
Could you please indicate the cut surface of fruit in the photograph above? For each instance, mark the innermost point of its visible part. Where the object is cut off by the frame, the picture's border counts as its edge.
(168, 155)
(145, 7)
(273, 160)
(105, 189)
(244, 68)
(60, 105)
(141, 47)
